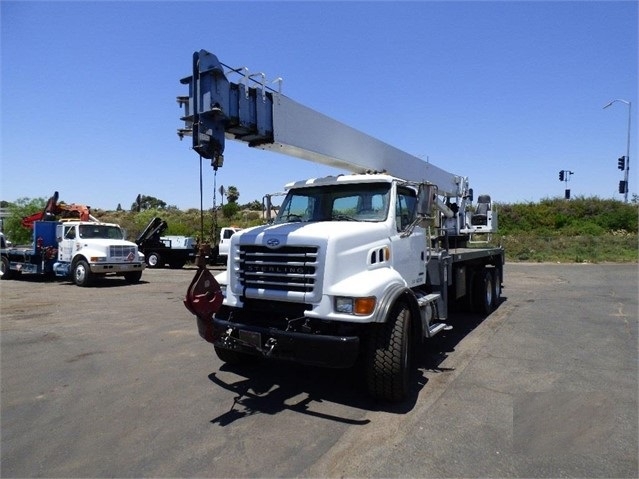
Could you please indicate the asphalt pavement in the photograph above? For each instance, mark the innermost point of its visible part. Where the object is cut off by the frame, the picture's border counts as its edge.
(113, 381)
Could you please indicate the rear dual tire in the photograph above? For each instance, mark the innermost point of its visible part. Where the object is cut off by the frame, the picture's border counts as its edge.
(486, 291)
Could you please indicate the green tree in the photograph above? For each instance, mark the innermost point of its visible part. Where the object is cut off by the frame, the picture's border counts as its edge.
(232, 194)
(253, 206)
(13, 228)
(230, 209)
(143, 202)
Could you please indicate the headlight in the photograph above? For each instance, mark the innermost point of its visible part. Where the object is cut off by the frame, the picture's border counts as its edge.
(357, 306)
(344, 305)
(97, 259)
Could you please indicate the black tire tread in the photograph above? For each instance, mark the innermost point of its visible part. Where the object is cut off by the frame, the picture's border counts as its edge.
(385, 374)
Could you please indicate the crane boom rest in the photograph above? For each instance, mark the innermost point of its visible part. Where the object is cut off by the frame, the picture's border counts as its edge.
(353, 266)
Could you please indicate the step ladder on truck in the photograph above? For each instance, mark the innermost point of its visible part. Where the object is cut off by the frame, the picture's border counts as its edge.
(358, 266)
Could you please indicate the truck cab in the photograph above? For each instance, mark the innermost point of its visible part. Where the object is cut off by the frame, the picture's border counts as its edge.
(87, 249)
(225, 243)
(337, 237)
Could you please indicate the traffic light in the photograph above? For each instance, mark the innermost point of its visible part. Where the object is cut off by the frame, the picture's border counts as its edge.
(561, 175)
(567, 194)
(621, 163)
(622, 187)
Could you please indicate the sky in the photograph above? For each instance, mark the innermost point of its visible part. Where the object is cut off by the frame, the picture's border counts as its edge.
(507, 93)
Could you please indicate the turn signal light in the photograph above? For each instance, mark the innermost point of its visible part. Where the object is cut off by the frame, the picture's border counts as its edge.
(364, 306)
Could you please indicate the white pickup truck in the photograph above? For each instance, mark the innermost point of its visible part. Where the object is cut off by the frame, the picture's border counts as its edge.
(225, 243)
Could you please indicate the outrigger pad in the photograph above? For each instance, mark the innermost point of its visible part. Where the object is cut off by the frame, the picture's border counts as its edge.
(204, 295)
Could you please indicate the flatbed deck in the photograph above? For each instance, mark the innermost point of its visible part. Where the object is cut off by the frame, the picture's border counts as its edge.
(466, 254)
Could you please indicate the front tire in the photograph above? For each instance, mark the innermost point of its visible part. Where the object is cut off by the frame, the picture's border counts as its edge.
(5, 270)
(388, 359)
(133, 277)
(82, 275)
(154, 260)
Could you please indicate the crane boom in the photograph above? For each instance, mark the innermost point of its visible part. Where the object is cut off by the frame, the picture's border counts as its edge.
(217, 109)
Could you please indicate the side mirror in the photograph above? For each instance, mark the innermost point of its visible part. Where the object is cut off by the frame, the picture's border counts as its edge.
(425, 198)
(470, 195)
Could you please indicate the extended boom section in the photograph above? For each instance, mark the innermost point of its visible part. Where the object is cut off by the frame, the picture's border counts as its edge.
(217, 108)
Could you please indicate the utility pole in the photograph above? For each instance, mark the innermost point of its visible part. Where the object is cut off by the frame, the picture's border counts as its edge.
(623, 185)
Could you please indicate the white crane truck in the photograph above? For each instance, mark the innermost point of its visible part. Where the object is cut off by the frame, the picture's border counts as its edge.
(358, 266)
(80, 250)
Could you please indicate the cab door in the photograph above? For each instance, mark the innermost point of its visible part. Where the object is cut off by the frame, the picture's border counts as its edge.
(67, 244)
(408, 251)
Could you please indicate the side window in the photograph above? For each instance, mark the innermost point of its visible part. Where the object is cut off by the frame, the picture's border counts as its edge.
(69, 233)
(405, 208)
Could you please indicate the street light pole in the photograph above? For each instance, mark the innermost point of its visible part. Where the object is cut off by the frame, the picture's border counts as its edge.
(625, 198)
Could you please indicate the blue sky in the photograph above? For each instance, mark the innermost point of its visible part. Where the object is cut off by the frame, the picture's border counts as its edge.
(506, 93)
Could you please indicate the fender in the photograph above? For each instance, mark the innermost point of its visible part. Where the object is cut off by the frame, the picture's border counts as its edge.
(383, 283)
(86, 254)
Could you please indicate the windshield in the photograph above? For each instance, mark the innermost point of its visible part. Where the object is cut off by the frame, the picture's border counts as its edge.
(348, 202)
(100, 231)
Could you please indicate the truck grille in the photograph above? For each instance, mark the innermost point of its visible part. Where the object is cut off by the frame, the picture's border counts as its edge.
(290, 268)
(122, 253)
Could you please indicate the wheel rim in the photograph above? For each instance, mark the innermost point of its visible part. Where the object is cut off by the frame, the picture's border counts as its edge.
(153, 260)
(80, 273)
(489, 291)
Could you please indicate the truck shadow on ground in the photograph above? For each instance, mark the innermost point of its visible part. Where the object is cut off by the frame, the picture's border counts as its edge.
(108, 282)
(271, 386)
